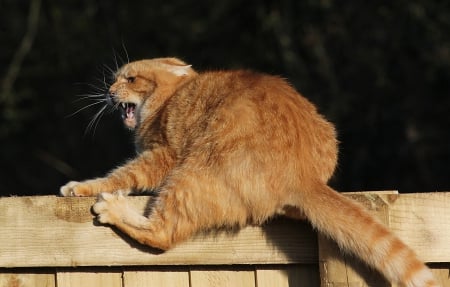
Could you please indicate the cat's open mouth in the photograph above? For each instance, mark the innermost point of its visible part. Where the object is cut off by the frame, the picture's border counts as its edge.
(127, 110)
(128, 113)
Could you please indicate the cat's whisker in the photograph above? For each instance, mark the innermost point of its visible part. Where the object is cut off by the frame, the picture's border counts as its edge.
(105, 85)
(111, 109)
(126, 52)
(101, 81)
(96, 89)
(110, 71)
(91, 85)
(85, 107)
(116, 105)
(90, 96)
(95, 120)
(115, 59)
(121, 61)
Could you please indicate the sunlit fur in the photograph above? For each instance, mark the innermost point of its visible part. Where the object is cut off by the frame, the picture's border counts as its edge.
(229, 148)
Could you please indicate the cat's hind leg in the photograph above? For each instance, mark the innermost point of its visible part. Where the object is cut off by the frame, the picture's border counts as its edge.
(114, 209)
(292, 212)
(187, 203)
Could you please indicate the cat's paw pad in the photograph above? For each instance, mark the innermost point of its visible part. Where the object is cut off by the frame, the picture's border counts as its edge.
(110, 207)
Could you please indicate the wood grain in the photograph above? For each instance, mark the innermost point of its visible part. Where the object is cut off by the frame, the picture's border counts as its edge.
(76, 279)
(9, 279)
(55, 231)
(422, 220)
(287, 275)
(156, 278)
(418, 219)
(222, 278)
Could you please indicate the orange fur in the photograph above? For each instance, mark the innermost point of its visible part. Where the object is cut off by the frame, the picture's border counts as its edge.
(230, 148)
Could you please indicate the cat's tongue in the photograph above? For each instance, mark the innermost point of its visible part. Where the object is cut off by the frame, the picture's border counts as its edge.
(128, 110)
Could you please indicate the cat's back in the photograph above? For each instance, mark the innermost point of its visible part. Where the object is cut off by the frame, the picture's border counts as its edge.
(210, 90)
(248, 111)
(249, 97)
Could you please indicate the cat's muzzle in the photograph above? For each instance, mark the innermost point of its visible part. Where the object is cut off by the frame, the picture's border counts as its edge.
(109, 98)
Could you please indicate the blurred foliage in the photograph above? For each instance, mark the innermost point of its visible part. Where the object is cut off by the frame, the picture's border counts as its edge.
(380, 71)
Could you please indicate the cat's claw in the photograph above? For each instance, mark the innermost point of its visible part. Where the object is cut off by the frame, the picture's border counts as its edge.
(70, 189)
(110, 207)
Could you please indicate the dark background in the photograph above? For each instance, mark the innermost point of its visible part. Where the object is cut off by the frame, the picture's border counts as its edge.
(380, 71)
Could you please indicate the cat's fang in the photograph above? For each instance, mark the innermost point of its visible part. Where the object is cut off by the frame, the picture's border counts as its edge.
(129, 110)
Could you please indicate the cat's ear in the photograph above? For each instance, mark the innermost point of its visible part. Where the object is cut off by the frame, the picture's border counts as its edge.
(179, 70)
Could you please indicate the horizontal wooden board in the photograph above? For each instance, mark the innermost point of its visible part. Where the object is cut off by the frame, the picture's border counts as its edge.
(422, 220)
(57, 231)
(43, 231)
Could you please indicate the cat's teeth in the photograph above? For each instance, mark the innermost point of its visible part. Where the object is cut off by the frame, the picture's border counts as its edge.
(124, 105)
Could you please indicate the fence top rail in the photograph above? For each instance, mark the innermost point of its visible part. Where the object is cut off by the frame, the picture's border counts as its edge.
(42, 231)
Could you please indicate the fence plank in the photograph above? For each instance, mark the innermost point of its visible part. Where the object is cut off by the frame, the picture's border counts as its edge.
(442, 275)
(422, 220)
(44, 231)
(54, 231)
(288, 275)
(272, 277)
(337, 269)
(27, 280)
(76, 279)
(156, 278)
(208, 278)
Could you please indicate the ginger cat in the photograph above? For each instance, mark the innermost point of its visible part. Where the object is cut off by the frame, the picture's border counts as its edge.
(229, 148)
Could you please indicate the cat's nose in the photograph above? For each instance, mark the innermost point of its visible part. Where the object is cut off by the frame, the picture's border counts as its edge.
(110, 98)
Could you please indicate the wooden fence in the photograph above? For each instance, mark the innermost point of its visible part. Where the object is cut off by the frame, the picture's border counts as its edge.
(54, 242)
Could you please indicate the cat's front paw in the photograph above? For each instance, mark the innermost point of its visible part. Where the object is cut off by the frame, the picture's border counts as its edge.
(110, 207)
(75, 188)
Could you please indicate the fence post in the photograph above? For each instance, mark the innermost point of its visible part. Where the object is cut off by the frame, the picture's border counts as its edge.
(338, 269)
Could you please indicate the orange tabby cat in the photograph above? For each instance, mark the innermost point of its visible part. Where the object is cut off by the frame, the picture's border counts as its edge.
(230, 148)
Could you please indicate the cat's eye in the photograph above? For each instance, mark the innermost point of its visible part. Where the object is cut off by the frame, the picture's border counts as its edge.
(131, 79)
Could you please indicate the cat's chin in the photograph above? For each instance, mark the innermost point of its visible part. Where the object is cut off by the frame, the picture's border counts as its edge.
(130, 123)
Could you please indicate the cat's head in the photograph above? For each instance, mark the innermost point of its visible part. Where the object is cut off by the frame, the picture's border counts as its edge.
(142, 87)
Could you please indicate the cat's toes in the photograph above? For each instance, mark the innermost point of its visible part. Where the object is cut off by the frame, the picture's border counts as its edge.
(110, 207)
(70, 189)
(75, 188)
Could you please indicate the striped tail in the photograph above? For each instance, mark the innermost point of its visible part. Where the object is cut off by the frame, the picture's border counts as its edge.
(358, 232)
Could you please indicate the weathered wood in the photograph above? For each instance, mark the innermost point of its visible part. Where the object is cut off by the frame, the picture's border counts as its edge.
(288, 275)
(442, 275)
(55, 231)
(421, 220)
(76, 279)
(222, 278)
(58, 231)
(170, 278)
(27, 279)
(339, 269)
